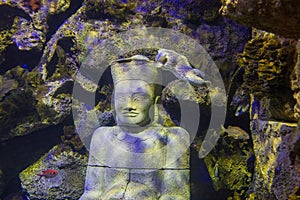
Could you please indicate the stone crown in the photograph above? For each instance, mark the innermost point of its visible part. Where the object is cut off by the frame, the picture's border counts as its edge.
(137, 67)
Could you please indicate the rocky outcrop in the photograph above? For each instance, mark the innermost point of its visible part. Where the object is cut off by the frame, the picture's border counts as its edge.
(278, 16)
(23, 31)
(46, 77)
(268, 62)
(269, 66)
(68, 183)
(276, 148)
(295, 83)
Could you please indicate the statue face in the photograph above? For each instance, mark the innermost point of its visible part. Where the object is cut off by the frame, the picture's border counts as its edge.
(132, 101)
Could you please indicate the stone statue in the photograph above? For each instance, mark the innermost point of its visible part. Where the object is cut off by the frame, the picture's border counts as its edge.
(138, 158)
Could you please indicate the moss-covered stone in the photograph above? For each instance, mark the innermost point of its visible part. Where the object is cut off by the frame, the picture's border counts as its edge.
(69, 181)
(295, 84)
(276, 146)
(268, 62)
(229, 166)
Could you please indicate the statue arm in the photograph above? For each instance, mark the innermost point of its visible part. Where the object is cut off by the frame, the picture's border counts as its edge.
(92, 188)
(176, 175)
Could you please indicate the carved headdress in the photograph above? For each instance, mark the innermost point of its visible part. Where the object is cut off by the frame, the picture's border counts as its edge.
(137, 67)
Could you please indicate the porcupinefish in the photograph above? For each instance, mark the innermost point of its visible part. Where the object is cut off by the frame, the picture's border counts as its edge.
(180, 67)
(235, 132)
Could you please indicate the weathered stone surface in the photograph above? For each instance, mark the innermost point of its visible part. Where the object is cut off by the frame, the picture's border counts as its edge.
(267, 62)
(277, 16)
(50, 83)
(68, 47)
(16, 114)
(276, 148)
(67, 184)
(23, 30)
(82, 32)
(138, 158)
(295, 84)
(229, 165)
(135, 184)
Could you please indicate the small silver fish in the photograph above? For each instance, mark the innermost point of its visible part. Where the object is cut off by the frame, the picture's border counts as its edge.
(235, 132)
(241, 109)
(216, 171)
(180, 67)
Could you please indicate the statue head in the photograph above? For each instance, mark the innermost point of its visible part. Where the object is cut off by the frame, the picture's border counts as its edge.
(134, 90)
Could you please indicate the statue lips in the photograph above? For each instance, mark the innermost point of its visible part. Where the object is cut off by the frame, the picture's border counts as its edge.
(130, 114)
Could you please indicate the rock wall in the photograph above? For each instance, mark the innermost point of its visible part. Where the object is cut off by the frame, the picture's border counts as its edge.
(49, 60)
(39, 64)
(277, 165)
(277, 16)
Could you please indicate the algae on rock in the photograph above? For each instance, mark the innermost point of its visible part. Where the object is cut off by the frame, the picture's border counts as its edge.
(68, 183)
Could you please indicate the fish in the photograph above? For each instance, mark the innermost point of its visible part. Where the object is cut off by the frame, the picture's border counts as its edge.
(216, 171)
(49, 173)
(179, 66)
(235, 132)
(241, 109)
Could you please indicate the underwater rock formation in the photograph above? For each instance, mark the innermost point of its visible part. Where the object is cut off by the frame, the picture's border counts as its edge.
(95, 22)
(48, 85)
(29, 22)
(16, 114)
(276, 148)
(230, 165)
(51, 82)
(278, 16)
(20, 152)
(295, 84)
(268, 80)
(267, 62)
(68, 183)
(23, 30)
(269, 69)
(71, 138)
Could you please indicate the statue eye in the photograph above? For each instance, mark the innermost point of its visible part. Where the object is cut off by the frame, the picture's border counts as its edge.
(139, 96)
(122, 98)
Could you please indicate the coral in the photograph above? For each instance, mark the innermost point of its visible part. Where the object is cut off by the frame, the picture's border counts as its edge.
(267, 62)
(229, 166)
(27, 37)
(72, 138)
(58, 6)
(14, 111)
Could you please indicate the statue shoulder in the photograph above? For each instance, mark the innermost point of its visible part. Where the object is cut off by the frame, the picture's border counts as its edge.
(178, 134)
(103, 132)
(177, 130)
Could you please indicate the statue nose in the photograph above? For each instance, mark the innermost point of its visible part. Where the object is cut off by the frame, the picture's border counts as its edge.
(129, 109)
